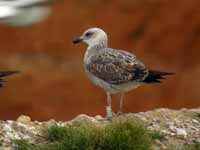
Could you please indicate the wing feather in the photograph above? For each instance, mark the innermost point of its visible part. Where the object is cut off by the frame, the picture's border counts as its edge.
(116, 67)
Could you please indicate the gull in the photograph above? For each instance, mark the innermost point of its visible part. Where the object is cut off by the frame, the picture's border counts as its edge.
(116, 71)
(4, 74)
(23, 12)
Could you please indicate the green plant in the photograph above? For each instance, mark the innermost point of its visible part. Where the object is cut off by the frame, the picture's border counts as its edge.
(127, 135)
(22, 145)
(156, 135)
(119, 135)
(195, 146)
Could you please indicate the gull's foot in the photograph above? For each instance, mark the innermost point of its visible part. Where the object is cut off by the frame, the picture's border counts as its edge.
(119, 113)
(109, 118)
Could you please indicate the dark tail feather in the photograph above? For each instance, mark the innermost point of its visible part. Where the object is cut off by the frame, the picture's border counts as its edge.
(156, 76)
(4, 74)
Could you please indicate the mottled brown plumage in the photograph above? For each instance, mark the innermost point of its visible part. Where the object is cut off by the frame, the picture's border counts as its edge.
(116, 67)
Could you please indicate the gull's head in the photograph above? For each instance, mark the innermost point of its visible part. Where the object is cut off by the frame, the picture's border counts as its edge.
(92, 36)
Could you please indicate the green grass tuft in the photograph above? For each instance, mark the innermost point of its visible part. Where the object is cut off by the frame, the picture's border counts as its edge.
(156, 135)
(56, 133)
(128, 135)
(77, 138)
(198, 115)
(195, 146)
(22, 145)
(119, 135)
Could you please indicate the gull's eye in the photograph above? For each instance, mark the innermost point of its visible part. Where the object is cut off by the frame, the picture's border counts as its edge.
(88, 34)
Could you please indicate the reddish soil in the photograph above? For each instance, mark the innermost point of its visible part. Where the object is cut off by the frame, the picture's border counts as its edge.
(165, 35)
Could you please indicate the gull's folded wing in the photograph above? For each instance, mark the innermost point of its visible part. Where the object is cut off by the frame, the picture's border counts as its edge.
(116, 67)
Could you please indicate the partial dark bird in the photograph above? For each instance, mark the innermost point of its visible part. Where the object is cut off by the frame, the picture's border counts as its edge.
(4, 74)
(23, 12)
(116, 71)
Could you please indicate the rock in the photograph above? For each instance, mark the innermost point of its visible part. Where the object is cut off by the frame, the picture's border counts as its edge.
(163, 147)
(195, 121)
(176, 126)
(181, 132)
(85, 119)
(158, 142)
(24, 119)
(99, 117)
(172, 128)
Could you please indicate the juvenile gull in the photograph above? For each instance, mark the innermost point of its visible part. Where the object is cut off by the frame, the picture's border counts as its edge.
(23, 12)
(4, 74)
(116, 71)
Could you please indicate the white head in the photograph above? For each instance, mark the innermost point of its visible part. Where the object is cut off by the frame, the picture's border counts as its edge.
(93, 37)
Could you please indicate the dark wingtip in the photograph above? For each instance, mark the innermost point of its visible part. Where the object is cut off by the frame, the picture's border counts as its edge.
(156, 76)
(4, 74)
(168, 73)
(7, 73)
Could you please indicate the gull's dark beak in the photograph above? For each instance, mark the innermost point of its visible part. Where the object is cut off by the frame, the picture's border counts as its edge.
(77, 40)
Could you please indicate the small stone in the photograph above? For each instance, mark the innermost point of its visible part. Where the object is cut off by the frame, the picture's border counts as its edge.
(164, 147)
(158, 142)
(156, 126)
(172, 134)
(84, 118)
(170, 123)
(99, 117)
(165, 132)
(143, 119)
(195, 121)
(197, 140)
(181, 132)
(193, 128)
(172, 127)
(24, 119)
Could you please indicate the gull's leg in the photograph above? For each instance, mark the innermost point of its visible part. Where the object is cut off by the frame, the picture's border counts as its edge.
(120, 104)
(108, 107)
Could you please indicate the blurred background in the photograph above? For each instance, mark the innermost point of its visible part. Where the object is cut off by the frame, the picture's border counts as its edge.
(164, 34)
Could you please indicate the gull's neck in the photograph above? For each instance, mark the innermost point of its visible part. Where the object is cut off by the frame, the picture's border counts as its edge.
(94, 49)
(97, 46)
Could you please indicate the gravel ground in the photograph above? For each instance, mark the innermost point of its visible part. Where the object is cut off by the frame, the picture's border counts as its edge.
(178, 127)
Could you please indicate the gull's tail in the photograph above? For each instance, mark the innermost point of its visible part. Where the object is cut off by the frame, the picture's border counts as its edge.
(156, 76)
(4, 74)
